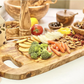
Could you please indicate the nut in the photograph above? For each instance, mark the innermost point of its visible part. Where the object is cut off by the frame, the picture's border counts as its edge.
(72, 47)
(71, 39)
(67, 42)
(77, 42)
(67, 38)
(71, 42)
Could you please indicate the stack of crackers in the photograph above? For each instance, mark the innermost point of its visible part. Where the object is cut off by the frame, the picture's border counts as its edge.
(23, 45)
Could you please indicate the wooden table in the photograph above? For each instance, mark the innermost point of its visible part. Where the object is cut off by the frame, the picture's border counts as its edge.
(70, 73)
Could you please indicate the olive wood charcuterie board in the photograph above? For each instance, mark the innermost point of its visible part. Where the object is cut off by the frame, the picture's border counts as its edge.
(29, 67)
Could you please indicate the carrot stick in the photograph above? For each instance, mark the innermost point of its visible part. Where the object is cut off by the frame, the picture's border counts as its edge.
(67, 48)
(49, 49)
(51, 42)
(55, 51)
(54, 46)
(59, 46)
(63, 46)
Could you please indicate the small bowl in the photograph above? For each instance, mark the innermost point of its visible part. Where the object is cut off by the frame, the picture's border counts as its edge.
(76, 29)
(65, 17)
(53, 27)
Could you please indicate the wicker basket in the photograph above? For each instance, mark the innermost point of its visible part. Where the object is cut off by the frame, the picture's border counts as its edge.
(12, 32)
(76, 29)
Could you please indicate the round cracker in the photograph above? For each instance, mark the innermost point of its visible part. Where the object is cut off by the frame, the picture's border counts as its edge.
(22, 40)
(36, 38)
(23, 49)
(33, 39)
(30, 41)
(24, 45)
(27, 43)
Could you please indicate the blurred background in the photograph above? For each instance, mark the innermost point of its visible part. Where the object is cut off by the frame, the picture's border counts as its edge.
(67, 4)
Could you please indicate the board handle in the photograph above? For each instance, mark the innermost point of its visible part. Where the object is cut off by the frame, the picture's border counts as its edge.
(11, 73)
(3, 67)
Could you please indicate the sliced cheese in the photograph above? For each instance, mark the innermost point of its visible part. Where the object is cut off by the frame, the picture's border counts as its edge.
(50, 36)
(41, 39)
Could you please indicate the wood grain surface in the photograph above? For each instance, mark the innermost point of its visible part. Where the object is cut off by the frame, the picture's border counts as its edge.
(25, 23)
(65, 17)
(29, 67)
(76, 29)
(12, 31)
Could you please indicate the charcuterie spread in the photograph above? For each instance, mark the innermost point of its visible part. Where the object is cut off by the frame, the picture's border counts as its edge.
(36, 49)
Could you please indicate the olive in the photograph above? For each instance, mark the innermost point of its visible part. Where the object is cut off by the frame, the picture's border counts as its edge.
(77, 25)
(51, 24)
(55, 24)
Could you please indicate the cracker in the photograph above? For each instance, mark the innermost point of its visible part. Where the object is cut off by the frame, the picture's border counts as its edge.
(20, 41)
(24, 45)
(27, 43)
(30, 41)
(33, 39)
(36, 38)
(23, 49)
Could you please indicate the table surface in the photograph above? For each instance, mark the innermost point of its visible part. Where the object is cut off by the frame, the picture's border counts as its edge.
(69, 73)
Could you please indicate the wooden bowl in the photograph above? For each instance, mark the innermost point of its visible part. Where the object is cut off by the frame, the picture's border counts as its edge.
(13, 9)
(76, 29)
(65, 17)
(53, 27)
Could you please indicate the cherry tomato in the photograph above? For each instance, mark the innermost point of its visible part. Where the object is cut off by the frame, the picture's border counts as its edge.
(37, 29)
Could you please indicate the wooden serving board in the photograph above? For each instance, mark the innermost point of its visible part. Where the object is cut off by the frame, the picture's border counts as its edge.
(29, 67)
